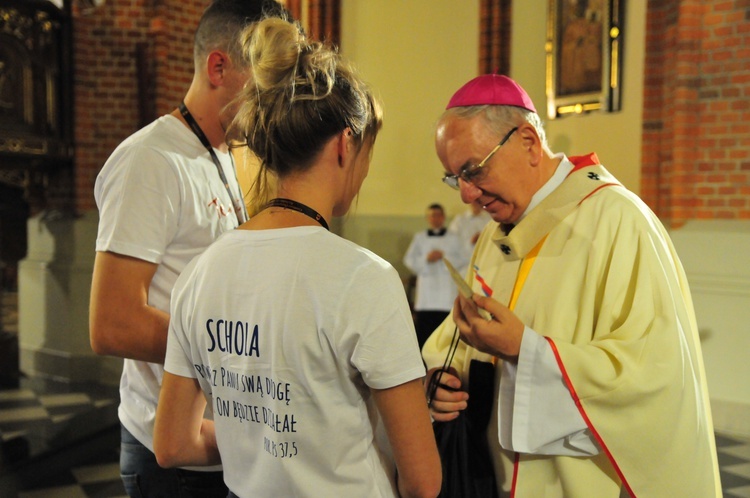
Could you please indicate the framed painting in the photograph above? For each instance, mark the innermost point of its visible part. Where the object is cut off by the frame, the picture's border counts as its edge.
(584, 56)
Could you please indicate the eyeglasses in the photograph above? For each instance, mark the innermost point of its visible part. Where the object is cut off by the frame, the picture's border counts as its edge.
(472, 171)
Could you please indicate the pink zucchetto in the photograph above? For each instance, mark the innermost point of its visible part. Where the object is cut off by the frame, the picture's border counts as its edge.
(491, 89)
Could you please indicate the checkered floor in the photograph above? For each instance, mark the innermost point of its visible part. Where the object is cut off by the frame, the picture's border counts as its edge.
(734, 465)
(71, 438)
(59, 440)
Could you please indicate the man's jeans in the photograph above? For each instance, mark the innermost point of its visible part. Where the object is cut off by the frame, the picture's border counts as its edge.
(143, 478)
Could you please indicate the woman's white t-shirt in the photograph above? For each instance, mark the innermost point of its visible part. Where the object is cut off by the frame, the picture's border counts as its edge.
(287, 330)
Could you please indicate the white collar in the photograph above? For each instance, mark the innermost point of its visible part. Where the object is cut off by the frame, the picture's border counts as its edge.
(562, 171)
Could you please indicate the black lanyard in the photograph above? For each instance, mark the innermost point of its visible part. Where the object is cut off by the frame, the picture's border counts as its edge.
(299, 207)
(238, 207)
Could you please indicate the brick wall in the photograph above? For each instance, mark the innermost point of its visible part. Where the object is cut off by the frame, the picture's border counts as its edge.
(107, 106)
(174, 29)
(696, 129)
(696, 121)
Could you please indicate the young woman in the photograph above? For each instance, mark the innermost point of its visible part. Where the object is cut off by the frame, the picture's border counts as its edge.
(302, 342)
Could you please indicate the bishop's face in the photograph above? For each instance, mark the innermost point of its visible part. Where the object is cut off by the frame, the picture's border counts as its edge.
(505, 183)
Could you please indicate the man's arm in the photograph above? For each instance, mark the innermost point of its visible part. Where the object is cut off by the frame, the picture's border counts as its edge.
(121, 323)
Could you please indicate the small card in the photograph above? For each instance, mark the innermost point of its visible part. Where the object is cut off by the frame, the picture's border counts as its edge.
(464, 288)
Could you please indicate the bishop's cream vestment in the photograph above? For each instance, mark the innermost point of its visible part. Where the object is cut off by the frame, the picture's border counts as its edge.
(609, 296)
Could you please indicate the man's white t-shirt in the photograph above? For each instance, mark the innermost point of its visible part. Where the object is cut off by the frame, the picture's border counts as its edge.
(287, 330)
(161, 200)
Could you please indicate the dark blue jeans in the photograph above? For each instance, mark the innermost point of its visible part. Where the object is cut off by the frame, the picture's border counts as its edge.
(143, 478)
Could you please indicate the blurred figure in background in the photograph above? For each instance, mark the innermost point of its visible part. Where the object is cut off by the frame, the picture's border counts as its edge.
(468, 225)
(435, 289)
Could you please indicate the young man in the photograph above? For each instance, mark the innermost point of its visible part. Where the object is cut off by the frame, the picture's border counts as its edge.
(163, 196)
(435, 290)
(602, 390)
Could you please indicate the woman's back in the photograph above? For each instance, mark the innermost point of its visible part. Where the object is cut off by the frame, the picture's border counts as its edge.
(292, 328)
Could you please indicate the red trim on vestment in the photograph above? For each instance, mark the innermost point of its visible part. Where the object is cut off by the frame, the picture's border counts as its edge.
(597, 190)
(516, 461)
(577, 401)
(579, 162)
(583, 161)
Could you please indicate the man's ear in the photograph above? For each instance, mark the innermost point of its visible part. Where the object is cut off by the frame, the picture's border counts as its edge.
(528, 135)
(530, 141)
(217, 64)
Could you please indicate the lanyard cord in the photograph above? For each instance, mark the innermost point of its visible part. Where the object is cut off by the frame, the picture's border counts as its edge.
(300, 208)
(437, 376)
(237, 206)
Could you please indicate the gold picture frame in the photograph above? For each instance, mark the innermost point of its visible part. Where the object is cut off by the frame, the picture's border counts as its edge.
(584, 56)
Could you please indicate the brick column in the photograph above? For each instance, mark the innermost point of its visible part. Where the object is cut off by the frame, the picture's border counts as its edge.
(696, 136)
